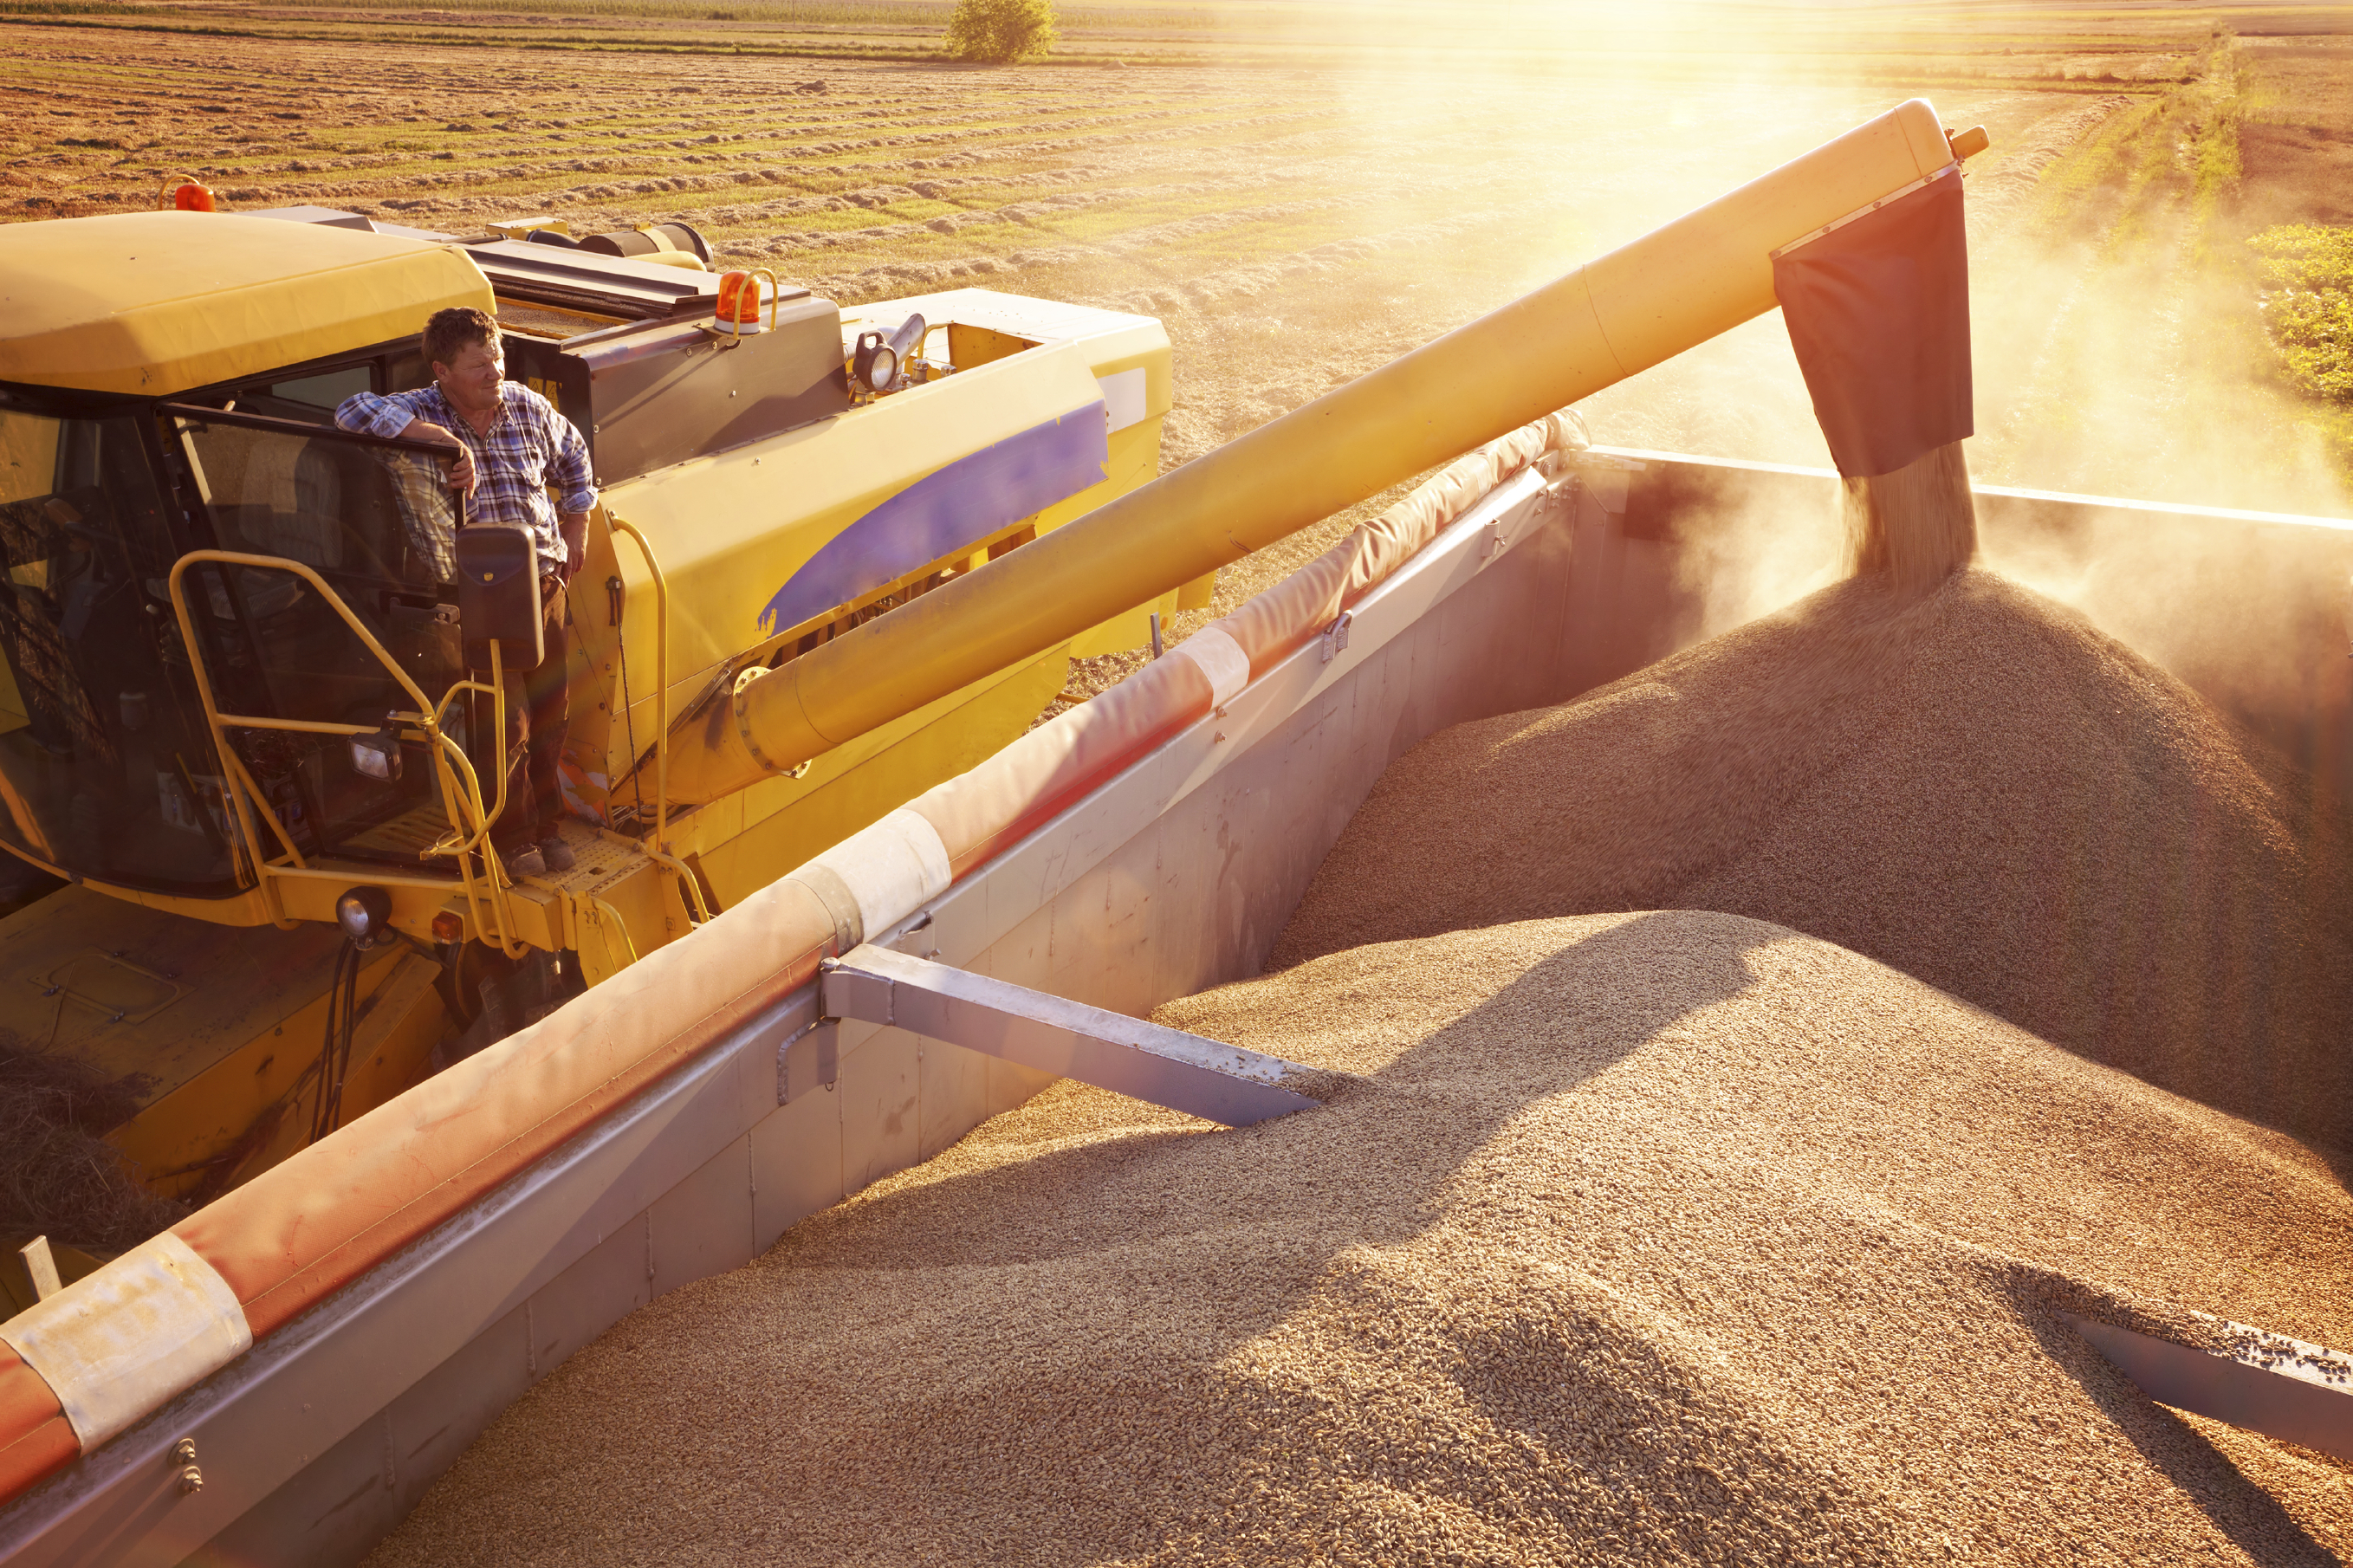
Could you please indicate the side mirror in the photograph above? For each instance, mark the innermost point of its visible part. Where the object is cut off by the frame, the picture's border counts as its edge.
(498, 597)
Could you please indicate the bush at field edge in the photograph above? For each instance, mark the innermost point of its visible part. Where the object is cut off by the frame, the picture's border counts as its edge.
(1001, 32)
(2308, 313)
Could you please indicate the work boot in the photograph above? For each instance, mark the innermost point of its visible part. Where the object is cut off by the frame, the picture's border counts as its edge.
(526, 861)
(555, 855)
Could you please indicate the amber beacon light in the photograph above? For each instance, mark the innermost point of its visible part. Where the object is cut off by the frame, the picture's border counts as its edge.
(191, 195)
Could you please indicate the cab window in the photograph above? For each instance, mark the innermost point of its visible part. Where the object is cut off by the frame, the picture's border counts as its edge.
(106, 768)
(322, 392)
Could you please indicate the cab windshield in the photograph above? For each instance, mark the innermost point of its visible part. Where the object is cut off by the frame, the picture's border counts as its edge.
(375, 522)
(107, 765)
(103, 772)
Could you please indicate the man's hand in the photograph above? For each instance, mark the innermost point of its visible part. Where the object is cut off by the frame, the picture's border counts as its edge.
(575, 525)
(461, 476)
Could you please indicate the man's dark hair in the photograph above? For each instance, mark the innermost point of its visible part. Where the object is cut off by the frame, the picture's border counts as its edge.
(459, 328)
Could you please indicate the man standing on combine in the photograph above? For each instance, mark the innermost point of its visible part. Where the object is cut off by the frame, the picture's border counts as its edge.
(513, 446)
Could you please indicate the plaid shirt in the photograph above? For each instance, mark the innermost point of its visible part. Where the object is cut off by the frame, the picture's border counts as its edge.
(530, 447)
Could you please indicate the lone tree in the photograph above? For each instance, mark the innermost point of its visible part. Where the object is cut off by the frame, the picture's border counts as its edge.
(1001, 31)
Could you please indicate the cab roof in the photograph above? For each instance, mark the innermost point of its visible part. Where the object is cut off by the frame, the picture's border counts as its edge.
(155, 303)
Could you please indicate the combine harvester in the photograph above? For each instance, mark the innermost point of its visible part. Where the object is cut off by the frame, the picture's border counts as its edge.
(235, 701)
(278, 1377)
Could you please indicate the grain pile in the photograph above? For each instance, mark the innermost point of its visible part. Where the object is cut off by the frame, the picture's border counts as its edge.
(1982, 791)
(1664, 1238)
(1667, 1237)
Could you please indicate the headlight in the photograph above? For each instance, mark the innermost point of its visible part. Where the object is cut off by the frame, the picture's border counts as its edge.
(366, 915)
(873, 364)
(376, 756)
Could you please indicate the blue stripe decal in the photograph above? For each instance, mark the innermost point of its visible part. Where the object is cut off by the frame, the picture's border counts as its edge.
(942, 512)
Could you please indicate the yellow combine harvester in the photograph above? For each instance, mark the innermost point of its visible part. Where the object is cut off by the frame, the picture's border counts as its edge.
(234, 687)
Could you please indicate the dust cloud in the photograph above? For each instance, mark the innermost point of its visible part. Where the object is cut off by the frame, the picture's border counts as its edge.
(2117, 347)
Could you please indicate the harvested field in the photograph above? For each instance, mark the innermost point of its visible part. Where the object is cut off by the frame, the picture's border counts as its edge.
(1658, 1237)
(1984, 791)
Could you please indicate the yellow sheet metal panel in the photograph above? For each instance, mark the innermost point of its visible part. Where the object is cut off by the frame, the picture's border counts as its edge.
(623, 917)
(248, 1105)
(733, 530)
(159, 303)
(213, 1022)
(418, 893)
(188, 991)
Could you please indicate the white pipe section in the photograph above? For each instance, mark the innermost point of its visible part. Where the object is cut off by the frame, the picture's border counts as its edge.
(145, 1328)
(1221, 660)
(890, 870)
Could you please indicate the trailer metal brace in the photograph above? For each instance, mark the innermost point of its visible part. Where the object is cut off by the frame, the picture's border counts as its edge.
(2280, 1387)
(1111, 1050)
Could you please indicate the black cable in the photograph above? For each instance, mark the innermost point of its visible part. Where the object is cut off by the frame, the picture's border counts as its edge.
(325, 1070)
(335, 1047)
(351, 1026)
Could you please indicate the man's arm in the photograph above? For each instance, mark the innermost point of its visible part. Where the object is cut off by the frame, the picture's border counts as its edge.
(372, 413)
(575, 525)
(394, 418)
(575, 489)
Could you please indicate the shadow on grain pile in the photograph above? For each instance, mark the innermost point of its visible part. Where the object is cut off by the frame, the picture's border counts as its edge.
(1983, 791)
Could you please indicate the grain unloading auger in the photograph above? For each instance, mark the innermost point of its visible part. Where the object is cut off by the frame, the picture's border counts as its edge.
(1700, 276)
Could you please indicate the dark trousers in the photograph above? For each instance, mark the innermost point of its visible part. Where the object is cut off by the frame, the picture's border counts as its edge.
(535, 798)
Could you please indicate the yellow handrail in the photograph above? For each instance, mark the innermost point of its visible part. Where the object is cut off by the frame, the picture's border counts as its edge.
(607, 913)
(662, 678)
(261, 803)
(497, 689)
(449, 757)
(659, 850)
(237, 782)
(687, 878)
